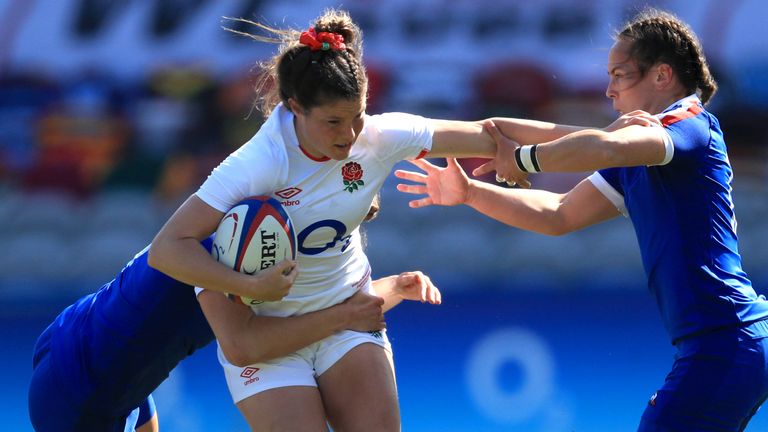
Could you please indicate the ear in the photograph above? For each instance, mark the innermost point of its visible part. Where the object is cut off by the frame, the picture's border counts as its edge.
(665, 75)
(294, 106)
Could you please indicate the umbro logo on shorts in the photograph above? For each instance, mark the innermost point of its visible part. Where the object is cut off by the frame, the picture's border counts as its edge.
(248, 373)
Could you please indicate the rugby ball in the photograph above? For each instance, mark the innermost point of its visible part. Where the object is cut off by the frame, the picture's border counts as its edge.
(254, 235)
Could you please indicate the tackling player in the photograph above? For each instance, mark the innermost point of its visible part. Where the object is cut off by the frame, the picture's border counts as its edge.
(97, 363)
(674, 181)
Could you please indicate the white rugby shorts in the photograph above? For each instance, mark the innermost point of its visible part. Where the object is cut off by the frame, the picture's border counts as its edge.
(300, 368)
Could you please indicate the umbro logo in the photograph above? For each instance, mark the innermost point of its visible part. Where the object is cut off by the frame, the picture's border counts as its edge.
(288, 193)
(249, 373)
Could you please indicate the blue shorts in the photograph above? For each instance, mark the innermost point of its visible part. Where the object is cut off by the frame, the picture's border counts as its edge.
(52, 408)
(717, 383)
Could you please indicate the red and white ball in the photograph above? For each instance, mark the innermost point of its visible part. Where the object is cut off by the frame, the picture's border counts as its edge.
(254, 235)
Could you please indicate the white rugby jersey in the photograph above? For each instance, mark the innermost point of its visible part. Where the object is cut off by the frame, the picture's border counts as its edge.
(326, 199)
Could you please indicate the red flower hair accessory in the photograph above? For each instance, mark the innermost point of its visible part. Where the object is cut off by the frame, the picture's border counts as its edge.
(322, 41)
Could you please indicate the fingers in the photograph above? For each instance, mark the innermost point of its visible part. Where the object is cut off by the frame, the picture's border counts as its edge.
(428, 292)
(416, 190)
(644, 121)
(491, 128)
(501, 179)
(288, 268)
(423, 164)
(419, 203)
(424, 290)
(412, 189)
(635, 112)
(432, 294)
(485, 168)
(453, 163)
(411, 176)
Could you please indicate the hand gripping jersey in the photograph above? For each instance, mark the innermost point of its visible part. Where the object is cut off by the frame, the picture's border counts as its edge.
(326, 199)
(683, 216)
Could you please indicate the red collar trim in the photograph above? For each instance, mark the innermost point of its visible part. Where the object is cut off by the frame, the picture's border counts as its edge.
(316, 159)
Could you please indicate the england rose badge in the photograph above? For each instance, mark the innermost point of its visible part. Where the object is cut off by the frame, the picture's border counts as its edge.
(352, 175)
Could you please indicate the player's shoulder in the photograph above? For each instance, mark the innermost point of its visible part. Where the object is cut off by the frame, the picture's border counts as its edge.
(682, 112)
(392, 120)
(266, 148)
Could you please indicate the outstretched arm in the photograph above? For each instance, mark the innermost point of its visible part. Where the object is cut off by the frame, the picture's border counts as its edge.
(533, 210)
(628, 141)
(453, 138)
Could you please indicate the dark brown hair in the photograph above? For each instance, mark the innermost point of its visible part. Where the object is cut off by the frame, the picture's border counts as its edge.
(660, 37)
(311, 77)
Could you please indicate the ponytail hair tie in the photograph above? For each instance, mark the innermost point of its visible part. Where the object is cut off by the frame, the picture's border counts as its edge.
(324, 41)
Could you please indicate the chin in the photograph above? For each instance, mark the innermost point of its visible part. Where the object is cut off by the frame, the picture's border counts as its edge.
(340, 154)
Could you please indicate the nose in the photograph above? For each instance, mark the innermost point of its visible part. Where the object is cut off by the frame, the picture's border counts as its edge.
(610, 91)
(350, 134)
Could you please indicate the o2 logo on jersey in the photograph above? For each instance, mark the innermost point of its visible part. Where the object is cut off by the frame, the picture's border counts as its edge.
(340, 237)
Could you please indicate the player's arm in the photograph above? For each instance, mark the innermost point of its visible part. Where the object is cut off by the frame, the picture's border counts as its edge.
(629, 141)
(461, 139)
(247, 338)
(592, 149)
(176, 251)
(529, 132)
(412, 285)
(543, 211)
(533, 210)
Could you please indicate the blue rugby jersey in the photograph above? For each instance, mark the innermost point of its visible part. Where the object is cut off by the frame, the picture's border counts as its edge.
(683, 216)
(115, 346)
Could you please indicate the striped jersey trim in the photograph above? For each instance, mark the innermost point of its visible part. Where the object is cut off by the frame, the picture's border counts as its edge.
(690, 107)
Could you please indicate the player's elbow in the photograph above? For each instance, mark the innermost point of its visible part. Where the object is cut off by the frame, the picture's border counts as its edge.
(154, 255)
(560, 222)
(237, 354)
(246, 348)
(555, 230)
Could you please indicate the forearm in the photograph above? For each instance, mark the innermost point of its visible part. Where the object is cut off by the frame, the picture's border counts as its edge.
(593, 149)
(187, 261)
(527, 209)
(461, 139)
(246, 338)
(385, 288)
(528, 132)
(266, 338)
(583, 151)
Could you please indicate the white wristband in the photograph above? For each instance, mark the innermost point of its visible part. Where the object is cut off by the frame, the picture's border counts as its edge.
(526, 159)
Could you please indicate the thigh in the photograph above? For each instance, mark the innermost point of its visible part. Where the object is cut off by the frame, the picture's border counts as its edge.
(359, 391)
(717, 388)
(49, 409)
(296, 408)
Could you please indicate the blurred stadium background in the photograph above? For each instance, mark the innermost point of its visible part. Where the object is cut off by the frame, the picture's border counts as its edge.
(112, 112)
